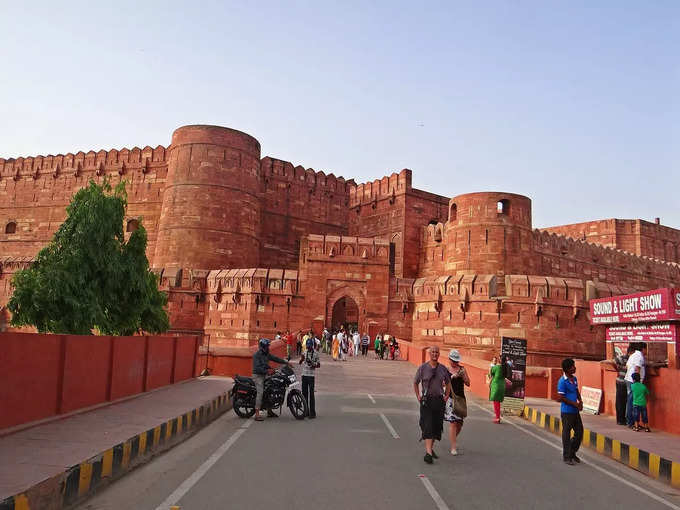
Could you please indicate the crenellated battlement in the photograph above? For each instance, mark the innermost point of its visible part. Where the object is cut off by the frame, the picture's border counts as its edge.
(284, 170)
(546, 242)
(344, 248)
(387, 187)
(115, 160)
(252, 281)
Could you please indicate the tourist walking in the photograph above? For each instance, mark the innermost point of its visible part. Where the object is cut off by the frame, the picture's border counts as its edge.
(326, 341)
(378, 341)
(456, 407)
(356, 340)
(298, 343)
(382, 347)
(335, 347)
(570, 397)
(496, 380)
(344, 345)
(365, 341)
(310, 362)
(432, 387)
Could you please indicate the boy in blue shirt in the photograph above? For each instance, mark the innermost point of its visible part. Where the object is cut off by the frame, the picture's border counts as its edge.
(569, 395)
(640, 393)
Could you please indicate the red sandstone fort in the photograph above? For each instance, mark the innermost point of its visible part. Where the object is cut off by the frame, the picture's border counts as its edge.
(246, 246)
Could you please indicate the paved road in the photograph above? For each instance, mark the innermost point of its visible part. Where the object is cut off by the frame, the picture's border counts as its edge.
(349, 458)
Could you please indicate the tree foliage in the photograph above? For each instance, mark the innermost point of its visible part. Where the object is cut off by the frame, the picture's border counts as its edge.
(89, 278)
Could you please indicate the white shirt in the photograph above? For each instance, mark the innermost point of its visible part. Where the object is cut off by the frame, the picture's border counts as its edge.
(636, 360)
(356, 338)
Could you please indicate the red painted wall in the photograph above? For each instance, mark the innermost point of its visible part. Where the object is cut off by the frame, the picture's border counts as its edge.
(86, 371)
(127, 377)
(28, 381)
(46, 375)
(159, 365)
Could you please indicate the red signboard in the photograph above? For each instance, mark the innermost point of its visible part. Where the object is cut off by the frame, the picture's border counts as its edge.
(651, 306)
(649, 333)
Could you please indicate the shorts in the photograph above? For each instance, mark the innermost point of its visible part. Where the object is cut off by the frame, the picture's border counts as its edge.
(432, 417)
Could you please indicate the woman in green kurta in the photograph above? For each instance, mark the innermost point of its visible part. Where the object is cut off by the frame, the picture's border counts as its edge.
(496, 387)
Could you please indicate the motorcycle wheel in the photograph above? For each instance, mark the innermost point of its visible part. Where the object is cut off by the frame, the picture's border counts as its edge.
(243, 409)
(297, 404)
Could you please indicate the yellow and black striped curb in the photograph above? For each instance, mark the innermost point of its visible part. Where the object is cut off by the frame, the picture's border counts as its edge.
(647, 463)
(82, 480)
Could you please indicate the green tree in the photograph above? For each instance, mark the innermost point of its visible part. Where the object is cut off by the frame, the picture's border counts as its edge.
(88, 278)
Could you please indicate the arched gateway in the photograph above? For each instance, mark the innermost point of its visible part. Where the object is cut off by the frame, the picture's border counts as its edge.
(345, 313)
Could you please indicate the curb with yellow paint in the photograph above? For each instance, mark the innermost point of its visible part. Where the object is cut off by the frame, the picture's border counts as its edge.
(648, 463)
(80, 481)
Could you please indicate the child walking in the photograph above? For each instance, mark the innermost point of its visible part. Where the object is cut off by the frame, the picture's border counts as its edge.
(640, 393)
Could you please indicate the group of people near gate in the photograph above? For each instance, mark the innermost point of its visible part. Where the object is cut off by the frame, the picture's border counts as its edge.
(342, 344)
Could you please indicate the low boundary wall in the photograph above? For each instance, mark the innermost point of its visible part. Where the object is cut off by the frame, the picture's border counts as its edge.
(42, 376)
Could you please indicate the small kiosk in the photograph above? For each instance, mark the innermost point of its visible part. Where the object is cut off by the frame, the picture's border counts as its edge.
(652, 317)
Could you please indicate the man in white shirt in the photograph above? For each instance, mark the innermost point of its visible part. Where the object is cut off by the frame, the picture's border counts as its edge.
(635, 364)
(356, 339)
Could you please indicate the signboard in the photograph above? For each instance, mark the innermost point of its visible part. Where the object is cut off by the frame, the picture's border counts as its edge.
(591, 398)
(650, 306)
(514, 362)
(649, 333)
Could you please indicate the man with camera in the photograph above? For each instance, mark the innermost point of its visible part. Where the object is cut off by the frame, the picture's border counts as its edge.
(310, 362)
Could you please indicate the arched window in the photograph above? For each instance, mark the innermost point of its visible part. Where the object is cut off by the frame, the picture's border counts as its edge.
(132, 225)
(453, 212)
(503, 206)
(11, 228)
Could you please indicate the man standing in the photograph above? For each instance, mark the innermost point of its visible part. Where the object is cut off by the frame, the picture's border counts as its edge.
(436, 389)
(356, 340)
(310, 362)
(635, 364)
(569, 395)
(290, 342)
(260, 369)
(326, 341)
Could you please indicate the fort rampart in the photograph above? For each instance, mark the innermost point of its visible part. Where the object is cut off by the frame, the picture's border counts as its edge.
(247, 246)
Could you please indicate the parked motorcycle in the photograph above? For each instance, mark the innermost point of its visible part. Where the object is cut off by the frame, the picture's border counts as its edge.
(275, 386)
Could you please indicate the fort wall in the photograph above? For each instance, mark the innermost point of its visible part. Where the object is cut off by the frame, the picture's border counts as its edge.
(295, 202)
(389, 208)
(35, 191)
(635, 236)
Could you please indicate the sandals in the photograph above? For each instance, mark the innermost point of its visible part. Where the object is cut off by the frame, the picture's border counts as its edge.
(636, 428)
(647, 429)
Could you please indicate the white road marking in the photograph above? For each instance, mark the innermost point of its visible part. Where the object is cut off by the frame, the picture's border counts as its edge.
(371, 397)
(594, 466)
(389, 426)
(441, 505)
(187, 484)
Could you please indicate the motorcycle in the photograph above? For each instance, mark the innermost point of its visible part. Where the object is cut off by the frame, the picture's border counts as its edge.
(275, 386)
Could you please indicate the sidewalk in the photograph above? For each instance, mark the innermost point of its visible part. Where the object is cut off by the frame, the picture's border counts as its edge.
(656, 454)
(54, 464)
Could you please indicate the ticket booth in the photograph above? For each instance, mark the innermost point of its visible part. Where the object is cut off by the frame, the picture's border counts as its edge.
(652, 317)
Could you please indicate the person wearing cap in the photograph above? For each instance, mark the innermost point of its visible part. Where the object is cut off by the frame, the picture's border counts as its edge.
(459, 379)
(433, 377)
(260, 368)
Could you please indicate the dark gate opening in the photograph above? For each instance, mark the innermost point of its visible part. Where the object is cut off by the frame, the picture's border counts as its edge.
(345, 313)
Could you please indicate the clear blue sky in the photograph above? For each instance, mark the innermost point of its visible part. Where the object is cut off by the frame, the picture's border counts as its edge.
(573, 103)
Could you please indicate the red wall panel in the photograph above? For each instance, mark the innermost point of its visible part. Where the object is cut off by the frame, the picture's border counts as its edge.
(184, 358)
(86, 371)
(127, 376)
(159, 363)
(30, 370)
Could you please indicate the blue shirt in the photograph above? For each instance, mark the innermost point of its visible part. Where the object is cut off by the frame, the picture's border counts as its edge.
(568, 390)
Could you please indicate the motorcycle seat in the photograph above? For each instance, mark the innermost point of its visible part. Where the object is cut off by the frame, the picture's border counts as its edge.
(244, 380)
